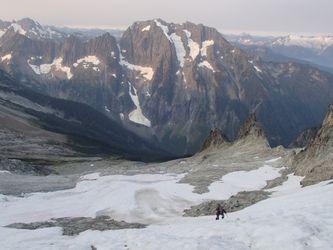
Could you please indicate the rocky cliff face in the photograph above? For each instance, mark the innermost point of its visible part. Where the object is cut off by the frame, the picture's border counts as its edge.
(315, 162)
(172, 83)
(304, 139)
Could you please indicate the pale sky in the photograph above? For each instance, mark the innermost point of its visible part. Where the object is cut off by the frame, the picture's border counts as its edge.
(251, 16)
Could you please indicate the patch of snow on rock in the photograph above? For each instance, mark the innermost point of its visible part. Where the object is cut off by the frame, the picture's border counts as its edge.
(207, 65)
(147, 28)
(136, 115)
(255, 66)
(86, 61)
(146, 72)
(17, 28)
(194, 47)
(46, 68)
(7, 57)
(205, 45)
(164, 28)
(107, 109)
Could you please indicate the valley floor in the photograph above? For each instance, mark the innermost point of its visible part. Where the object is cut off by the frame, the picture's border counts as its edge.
(291, 218)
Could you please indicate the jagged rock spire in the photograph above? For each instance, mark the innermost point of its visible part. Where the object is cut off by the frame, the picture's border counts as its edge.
(251, 127)
(215, 139)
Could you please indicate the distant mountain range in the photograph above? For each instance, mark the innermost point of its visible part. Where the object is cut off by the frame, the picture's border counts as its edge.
(169, 84)
(312, 49)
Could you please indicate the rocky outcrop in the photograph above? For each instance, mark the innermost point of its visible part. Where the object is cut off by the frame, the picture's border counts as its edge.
(215, 139)
(234, 203)
(75, 226)
(315, 161)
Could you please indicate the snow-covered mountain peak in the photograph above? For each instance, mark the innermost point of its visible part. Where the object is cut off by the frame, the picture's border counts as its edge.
(30, 28)
(318, 43)
(312, 42)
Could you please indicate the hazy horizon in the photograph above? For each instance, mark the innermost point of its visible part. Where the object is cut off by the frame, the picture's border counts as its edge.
(258, 17)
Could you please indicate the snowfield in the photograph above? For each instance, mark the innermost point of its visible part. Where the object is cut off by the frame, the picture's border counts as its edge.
(292, 218)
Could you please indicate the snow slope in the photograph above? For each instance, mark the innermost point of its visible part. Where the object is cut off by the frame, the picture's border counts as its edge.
(293, 218)
(146, 198)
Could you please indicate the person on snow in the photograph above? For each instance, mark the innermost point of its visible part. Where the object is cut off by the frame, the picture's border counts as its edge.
(220, 211)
